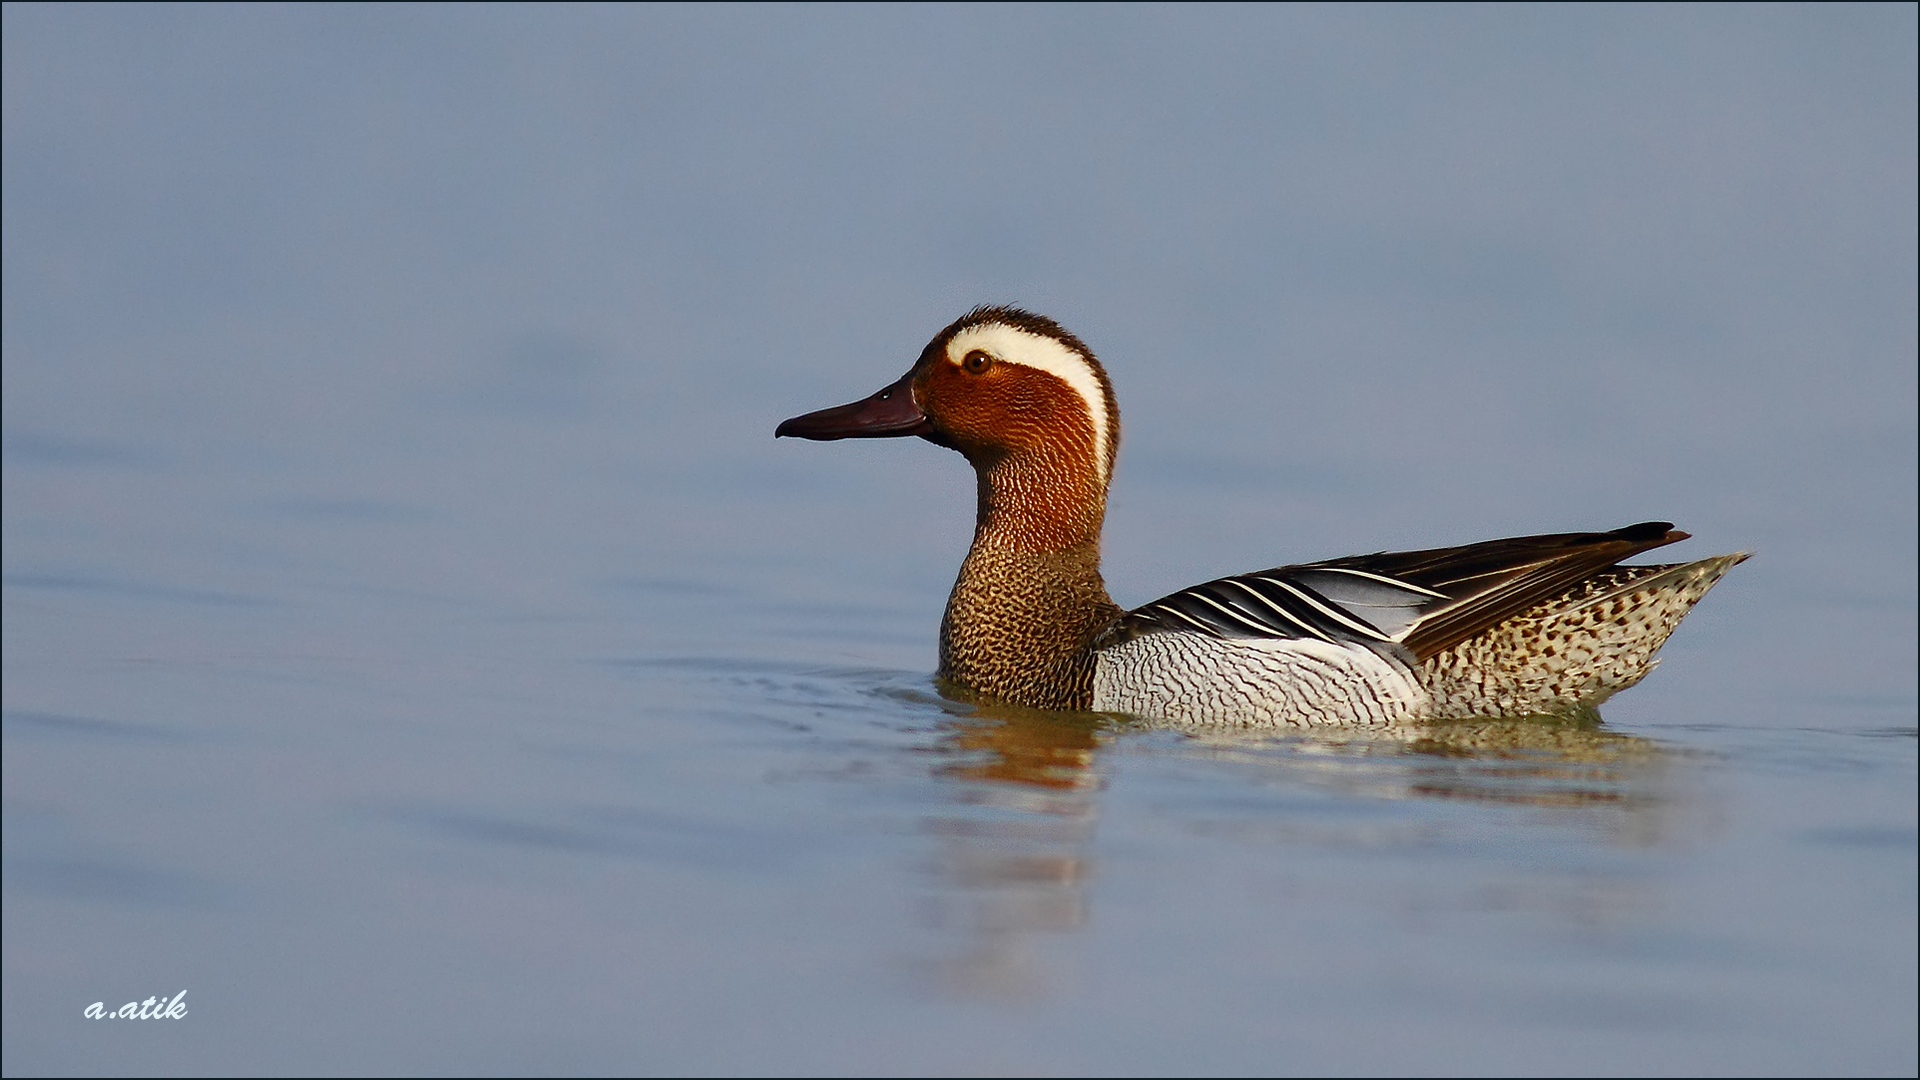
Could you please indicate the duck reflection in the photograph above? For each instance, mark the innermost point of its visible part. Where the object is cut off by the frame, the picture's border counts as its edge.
(1011, 858)
(1562, 761)
(1012, 861)
(1537, 761)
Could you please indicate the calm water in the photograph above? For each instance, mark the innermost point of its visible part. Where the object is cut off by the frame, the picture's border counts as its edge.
(418, 650)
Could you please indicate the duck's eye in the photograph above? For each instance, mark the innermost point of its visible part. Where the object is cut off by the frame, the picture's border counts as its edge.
(976, 362)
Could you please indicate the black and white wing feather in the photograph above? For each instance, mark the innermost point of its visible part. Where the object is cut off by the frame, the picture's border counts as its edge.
(1422, 601)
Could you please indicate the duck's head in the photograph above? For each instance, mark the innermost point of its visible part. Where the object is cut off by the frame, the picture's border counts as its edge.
(1002, 386)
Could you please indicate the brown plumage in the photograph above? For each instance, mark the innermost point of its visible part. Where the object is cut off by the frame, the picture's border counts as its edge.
(1528, 624)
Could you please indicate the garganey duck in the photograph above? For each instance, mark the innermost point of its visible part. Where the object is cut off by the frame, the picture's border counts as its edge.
(1532, 624)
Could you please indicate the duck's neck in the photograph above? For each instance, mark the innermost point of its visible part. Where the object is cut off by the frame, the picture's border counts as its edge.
(1029, 600)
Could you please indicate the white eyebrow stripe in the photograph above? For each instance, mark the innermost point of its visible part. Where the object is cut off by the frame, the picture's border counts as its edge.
(1003, 342)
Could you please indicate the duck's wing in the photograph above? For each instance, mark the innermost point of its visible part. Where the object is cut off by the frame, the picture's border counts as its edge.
(1423, 601)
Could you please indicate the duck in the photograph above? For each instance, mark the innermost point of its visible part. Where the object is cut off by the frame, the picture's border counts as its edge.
(1528, 625)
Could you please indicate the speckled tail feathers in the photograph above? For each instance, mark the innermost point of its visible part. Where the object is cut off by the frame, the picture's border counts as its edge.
(1574, 651)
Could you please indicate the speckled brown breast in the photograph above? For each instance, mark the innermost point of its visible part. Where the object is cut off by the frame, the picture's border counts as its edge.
(1017, 626)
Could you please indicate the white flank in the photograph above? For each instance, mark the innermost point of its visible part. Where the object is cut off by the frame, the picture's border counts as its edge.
(1199, 679)
(1004, 343)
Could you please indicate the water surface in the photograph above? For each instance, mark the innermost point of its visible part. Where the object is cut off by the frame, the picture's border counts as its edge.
(417, 649)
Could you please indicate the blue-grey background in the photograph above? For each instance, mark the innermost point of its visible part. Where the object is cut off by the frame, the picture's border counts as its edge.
(417, 648)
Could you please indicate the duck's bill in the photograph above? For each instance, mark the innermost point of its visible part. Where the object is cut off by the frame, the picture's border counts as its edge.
(891, 412)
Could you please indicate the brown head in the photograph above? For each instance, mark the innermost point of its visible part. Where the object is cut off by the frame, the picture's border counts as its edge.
(1026, 402)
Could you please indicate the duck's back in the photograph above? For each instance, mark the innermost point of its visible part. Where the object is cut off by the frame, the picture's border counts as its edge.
(1534, 624)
